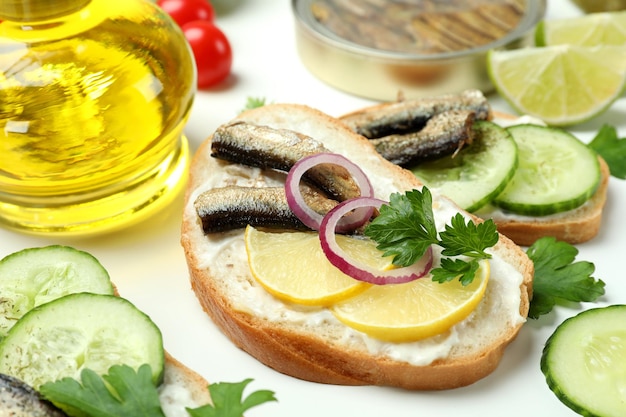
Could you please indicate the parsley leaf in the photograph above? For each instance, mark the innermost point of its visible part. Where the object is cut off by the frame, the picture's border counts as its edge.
(455, 268)
(406, 227)
(558, 277)
(469, 239)
(611, 149)
(227, 401)
(253, 103)
(134, 393)
(131, 393)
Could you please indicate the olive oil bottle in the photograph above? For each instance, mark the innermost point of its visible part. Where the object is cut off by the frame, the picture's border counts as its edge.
(94, 96)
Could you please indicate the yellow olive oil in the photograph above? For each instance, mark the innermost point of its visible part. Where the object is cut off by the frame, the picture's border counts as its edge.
(94, 97)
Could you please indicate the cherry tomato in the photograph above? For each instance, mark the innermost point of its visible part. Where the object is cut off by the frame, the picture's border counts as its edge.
(185, 11)
(211, 50)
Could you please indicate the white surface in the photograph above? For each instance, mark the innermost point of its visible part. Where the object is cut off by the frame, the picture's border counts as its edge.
(147, 263)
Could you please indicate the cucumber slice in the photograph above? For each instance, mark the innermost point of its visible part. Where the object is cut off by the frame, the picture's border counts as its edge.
(584, 362)
(476, 174)
(34, 276)
(62, 337)
(556, 172)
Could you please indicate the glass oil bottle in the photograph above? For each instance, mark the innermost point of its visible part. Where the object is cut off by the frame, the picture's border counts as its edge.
(94, 96)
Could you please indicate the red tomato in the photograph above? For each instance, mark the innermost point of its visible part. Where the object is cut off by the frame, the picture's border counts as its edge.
(185, 11)
(211, 50)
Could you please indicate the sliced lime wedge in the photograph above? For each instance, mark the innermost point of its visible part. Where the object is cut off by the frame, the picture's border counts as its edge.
(608, 28)
(563, 84)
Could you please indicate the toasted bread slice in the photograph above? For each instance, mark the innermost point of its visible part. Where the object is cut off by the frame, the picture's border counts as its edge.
(311, 344)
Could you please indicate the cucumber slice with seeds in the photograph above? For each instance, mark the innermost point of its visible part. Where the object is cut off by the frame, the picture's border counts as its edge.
(62, 337)
(34, 276)
(556, 172)
(476, 174)
(584, 362)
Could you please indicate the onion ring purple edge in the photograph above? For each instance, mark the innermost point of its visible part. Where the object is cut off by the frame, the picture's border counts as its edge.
(356, 269)
(310, 217)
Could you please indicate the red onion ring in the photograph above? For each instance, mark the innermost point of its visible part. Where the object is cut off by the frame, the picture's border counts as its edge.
(310, 217)
(356, 269)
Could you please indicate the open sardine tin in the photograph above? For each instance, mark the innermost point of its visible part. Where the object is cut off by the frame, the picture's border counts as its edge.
(379, 49)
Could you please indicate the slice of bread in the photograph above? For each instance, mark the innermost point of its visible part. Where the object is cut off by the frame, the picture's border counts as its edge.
(310, 343)
(182, 387)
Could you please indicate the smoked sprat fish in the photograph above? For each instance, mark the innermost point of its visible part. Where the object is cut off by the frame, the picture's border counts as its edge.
(279, 149)
(234, 207)
(405, 133)
(18, 399)
(444, 134)
(408, 132)
(411, 115)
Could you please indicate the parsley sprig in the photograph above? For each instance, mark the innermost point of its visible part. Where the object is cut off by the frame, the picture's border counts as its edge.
(612, 149)
(133, 393)
(406, 227)
(253, 103)
(135, 390)
(227, 400)
(558, 278)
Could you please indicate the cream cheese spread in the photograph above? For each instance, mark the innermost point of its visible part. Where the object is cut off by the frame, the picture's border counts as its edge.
(175, 398)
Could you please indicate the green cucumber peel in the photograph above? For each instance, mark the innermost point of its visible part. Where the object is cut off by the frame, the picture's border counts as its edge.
(34, 276)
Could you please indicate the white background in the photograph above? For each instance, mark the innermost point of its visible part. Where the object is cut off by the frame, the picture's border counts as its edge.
(147, 263)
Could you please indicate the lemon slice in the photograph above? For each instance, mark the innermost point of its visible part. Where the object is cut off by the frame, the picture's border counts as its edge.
(293, 267)
(563, 84)
(589, 30)
(412, 311)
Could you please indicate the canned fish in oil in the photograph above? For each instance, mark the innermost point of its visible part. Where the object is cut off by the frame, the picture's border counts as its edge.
(379, 49)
